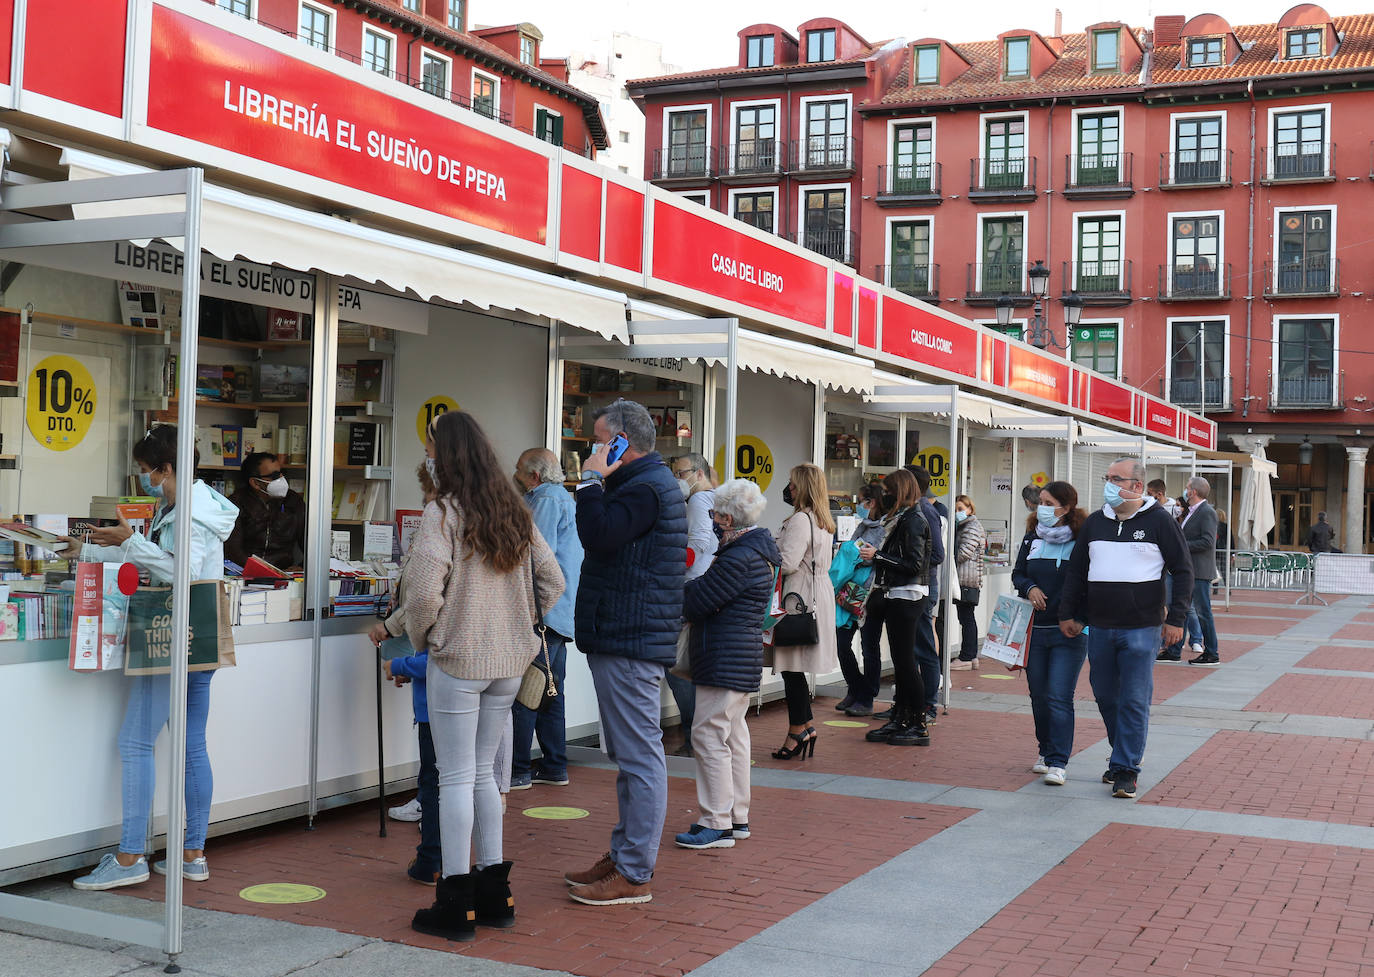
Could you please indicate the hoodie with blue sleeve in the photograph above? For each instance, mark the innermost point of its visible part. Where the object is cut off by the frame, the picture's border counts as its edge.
(413, 668)
(212, 521)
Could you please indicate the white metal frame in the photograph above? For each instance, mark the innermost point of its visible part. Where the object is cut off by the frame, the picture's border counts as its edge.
(395, 50)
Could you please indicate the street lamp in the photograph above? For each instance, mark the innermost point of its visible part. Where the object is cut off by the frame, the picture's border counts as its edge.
(1005, 305)
(1038, 334)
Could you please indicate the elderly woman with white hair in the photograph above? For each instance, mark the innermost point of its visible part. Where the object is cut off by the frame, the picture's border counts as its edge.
(725, 607)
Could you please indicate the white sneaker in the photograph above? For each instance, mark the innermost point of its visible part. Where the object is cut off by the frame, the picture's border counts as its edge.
(405, 812)
(1197, 649)
(1055, 776)
(1040, 766)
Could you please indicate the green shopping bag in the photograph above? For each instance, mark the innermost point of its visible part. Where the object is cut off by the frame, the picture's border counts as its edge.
(149, 641)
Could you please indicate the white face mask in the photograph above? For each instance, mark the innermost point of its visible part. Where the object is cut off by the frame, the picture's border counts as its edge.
(277, 488)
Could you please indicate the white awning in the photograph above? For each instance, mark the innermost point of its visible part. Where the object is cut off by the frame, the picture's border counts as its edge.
(972, 408)
(239, 225)
(1022, 422)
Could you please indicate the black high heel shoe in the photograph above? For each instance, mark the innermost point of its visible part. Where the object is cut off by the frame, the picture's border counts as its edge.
(805, 748)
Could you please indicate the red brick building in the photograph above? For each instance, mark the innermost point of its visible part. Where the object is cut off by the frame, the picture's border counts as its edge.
(497, 72)
(1182, 180)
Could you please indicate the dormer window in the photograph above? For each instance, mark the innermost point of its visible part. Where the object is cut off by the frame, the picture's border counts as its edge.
(927, 65)
(1305, 42)
(1107, 50)
(1205, 52)
(820, 45)
(1016, 58)
(527, 49)
(759, 51)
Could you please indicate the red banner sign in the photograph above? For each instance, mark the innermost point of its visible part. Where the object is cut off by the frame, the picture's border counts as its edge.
(696, 252)
(843, 322)
(916, 334)
(223, 90)
(1200, 432)
(1039, 375)
(1161, 418)
(1110, 400)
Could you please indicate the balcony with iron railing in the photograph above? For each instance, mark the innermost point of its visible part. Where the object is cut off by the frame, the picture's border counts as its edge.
(989, 281)
(1002, 178)
(1194, 283)
(1195, 169)
(751, 159)
(1315, 276)
(1099, 176)
(1099, 282)
(918, 281)
(1211, 394)
(1302, 162)
(1320, 391)
(681, 164)
(908, 184)
(818, 155)
(835, 244)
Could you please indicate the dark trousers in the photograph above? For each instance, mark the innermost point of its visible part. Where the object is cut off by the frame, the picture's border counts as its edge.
(685, 695)
(798, 698)
(901, 618)
(428, 853)
(547, 723)
(927, 655)
(862, 682)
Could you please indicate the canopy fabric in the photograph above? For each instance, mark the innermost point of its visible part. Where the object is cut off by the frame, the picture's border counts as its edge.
(1256, 503)
(972, 408)
(238, 225)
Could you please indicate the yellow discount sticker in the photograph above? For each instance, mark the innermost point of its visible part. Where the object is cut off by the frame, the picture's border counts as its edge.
(936, 461)
(281, 893)
(555, 813)
(753, 460)
(431, 409)
(61, 402)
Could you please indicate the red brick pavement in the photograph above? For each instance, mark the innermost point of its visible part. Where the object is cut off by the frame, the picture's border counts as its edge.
(1318, 695)
(805, 845)
(1172, 679)
(1308, 777)
(1153, 902)
(1340, 658)
(1356, 632)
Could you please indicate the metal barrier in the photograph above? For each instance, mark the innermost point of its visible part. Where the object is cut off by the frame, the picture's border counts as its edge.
(1346, 574)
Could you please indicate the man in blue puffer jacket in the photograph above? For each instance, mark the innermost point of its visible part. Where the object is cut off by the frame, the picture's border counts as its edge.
(632, 521)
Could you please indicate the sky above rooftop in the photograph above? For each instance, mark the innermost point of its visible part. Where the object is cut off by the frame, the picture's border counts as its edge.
(701, 33)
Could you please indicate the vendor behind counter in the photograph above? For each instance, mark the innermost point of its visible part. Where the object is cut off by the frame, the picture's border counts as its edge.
(271, 523)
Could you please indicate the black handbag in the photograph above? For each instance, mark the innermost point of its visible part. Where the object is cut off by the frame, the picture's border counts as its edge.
(798, 625)
(968, 595)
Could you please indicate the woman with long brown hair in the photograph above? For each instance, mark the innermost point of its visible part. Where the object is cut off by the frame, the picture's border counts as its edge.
(805, 546)
(476, 573)
(1052, 660)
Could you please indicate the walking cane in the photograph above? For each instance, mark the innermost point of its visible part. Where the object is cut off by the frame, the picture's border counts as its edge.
(381, 767)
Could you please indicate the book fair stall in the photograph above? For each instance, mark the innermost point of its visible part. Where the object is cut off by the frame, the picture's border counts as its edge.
(162, 262)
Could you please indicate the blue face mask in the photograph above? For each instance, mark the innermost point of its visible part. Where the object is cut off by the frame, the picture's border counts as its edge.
(145, 482)
(1111, 494)
(960, 515)
(1044, 514)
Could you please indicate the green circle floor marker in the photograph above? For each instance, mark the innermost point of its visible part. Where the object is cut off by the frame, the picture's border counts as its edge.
(281, 893)
(555, 813)
(846, 724)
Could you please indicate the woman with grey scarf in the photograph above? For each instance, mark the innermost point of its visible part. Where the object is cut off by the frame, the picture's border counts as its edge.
(1052, 660)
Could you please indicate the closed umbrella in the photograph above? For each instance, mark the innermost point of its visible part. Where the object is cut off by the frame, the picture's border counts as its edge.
(1256, 504)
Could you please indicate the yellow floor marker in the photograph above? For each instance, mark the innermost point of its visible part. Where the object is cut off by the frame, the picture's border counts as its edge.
(281, 893)
(555, 813)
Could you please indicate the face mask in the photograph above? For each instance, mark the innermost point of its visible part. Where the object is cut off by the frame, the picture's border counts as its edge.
(145, 482)
(432, 469)
(718, 529)
(277, 488)
(1111, 494)
(889, 500)
(1044, 514)
(960, 515)
(788, 496)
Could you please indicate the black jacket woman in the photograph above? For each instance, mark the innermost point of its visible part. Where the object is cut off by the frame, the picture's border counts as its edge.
(1052, 660)
(901, 568)
(725, 607)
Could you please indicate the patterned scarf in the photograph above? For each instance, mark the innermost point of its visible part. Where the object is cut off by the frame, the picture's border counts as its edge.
(1055, 534)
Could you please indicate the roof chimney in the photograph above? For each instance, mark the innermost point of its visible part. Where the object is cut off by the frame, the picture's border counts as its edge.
(1169, 29)
(1058, 22)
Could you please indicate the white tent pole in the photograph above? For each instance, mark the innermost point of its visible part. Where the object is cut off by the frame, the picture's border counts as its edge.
(951, 578)
(731, 396)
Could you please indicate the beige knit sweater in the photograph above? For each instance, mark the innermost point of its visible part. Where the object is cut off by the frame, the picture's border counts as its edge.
(476, 622)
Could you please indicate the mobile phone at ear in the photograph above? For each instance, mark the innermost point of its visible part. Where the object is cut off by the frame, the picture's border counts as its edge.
(616, 447)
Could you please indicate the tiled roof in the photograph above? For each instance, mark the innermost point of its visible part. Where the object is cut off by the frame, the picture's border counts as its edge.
(983, 80)
(1263, 57)
(735, 71)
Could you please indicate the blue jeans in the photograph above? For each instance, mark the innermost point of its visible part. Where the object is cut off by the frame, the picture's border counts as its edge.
(429, 852)
(1121, 669)
(685, 695)
(627, 696)
(1052, 666)
(1192, 627)
(862, 681)
(547, 723)
(1202, 610)
(147, 712)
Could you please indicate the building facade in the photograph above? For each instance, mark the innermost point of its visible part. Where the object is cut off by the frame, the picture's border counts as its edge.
(602, 72)
(496, 72)
(1181, 180)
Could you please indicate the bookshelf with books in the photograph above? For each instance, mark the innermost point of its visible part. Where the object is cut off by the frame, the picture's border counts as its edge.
(363, 435)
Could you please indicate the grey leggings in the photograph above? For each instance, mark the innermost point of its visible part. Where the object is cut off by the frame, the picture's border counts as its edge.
(468, 718)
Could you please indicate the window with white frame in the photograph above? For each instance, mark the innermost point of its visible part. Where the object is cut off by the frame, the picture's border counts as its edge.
(825, 214)
(1198, 149)
(696, 197)
(687, 148)
(548, 126)
(434, 73)
(1299, 144)
(378, 51)
(1002, 255)
(1004, 153)
(1095, 347)
(1099, 267)
(486, 95)
(527, 49)
(1197, 362)
(243, 8)
(1306, 362)
(315, 26)
(827, 134)
(412, 5)
(757, 208)
(756, 138)
(820, 45)
(1305, 261)
(456, 18)
(1195, 242)
(1099, 149)
(909, 266)
(913, 158)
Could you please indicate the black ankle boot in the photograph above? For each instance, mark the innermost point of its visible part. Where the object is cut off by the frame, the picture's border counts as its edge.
(452, 915)
(913, 734)
(494, 904)
(884, 733)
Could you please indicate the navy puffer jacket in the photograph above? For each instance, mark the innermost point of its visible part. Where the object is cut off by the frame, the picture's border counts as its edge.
(725, 607)
(634, 534)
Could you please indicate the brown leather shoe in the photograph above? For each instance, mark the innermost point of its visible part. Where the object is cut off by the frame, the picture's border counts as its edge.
(613, 890)
(604, 866)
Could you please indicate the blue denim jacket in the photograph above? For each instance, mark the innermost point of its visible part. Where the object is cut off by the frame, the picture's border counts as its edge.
(555, 516)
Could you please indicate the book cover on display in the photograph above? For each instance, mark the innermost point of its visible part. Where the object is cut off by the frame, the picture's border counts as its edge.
(283, 325)
(10, 328)
(369, 380)
(408, 524)
(362, 444)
